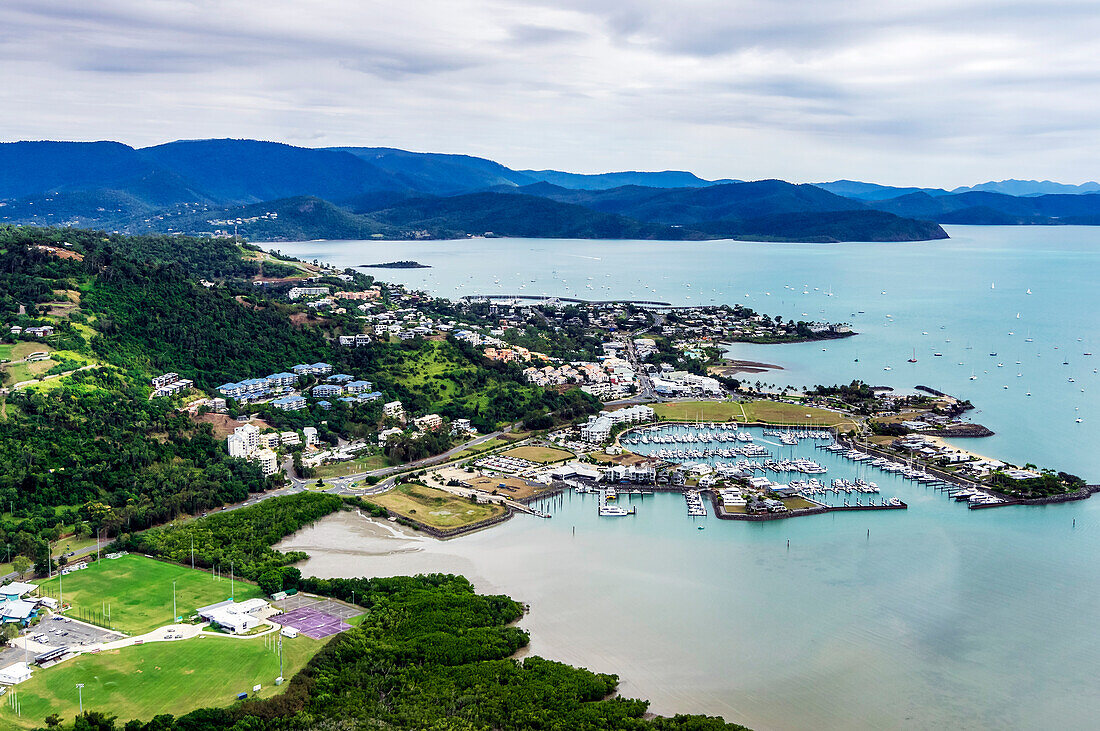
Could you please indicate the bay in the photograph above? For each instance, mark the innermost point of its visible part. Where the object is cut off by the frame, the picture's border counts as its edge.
(939, 617)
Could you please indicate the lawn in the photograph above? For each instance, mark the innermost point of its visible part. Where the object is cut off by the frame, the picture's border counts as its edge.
(544, 455)
(797, 503)
(139, 591)
(161, 677)
(437, 508)
(19, 372)
(20, 350)
(772, 412)
(366, 463)
(483, 447)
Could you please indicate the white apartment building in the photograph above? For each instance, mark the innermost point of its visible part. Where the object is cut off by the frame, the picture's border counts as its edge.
(296, 292)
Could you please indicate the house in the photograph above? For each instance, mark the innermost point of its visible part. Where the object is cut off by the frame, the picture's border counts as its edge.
(269, 441)
(357, 386)
(327, 389)
(310, 434)
(340, 378)
(40, 331)
(289, 403)
(290, 437)
(326, 405)
(173, 386)
(164, 380)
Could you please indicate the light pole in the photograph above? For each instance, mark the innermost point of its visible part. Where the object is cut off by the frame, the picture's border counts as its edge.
(80, 695)
(174, 615)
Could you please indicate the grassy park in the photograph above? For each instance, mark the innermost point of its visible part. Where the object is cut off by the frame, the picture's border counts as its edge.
(365, 463)
(143, 681)
(772, 412)
(543, 455)
(139, 591)
(437, 508)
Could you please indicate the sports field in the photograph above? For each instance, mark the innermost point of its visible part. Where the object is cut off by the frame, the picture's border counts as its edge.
(772, 412)
(161, 677)
(139, 591)
(543, 455)
(437, 508)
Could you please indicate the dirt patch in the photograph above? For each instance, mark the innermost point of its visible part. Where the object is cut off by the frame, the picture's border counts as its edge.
(302, 318)
(250, 305)
(61, 253)
(224, 424)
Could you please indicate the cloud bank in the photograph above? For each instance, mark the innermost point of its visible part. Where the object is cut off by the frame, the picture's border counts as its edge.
(932, 93)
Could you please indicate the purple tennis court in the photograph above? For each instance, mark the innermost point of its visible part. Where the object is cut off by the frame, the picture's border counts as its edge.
(312, 623)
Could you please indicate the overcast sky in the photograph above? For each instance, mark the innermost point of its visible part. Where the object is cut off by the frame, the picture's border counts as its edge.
(918, 92)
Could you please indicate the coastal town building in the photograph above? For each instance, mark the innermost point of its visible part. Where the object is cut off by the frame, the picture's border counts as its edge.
(299, 292)
(428, 422)
(170, 384)
(394, 410)
(385, 434)
(289, 403)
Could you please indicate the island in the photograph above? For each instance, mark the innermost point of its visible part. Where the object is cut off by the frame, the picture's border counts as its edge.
(396, 265)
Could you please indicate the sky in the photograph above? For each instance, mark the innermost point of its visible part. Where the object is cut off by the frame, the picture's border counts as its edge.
(936, 93)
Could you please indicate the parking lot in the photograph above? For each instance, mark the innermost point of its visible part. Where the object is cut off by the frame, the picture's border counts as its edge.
(59, 631)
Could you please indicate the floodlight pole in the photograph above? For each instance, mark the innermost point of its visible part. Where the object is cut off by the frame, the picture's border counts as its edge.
(232, 595)
(280, 654)
(80, 695)
(174, 615)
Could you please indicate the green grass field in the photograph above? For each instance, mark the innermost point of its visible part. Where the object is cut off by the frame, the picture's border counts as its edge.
(139, 591)
(437, 508)
(544, 455)
(772, 412)
(161, 677)
(355, 466)
(20, 350)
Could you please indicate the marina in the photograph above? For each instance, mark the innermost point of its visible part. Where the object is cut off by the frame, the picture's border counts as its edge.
(910, 652)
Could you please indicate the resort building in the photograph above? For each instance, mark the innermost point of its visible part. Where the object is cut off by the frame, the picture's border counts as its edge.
(428, 422)
(244, 441)
(289, 403)
(269, 461)
(394, 410)
(310, 434)
(299, 292)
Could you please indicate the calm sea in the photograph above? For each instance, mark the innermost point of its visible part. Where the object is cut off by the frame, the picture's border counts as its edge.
(940, 617)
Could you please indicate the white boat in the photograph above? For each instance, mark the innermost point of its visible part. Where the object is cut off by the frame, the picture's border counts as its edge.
(613, 511)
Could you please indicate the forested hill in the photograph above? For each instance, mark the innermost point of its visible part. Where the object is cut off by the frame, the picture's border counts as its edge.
(275, 192)
(90, 450)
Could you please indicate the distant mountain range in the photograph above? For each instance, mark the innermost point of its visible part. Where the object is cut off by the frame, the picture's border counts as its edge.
(274, 191)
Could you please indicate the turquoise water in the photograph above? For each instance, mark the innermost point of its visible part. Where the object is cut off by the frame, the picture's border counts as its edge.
(967, 289)
(940, 617)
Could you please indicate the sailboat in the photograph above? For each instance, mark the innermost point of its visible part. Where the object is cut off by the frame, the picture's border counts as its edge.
(992, 285)
(914, 358)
